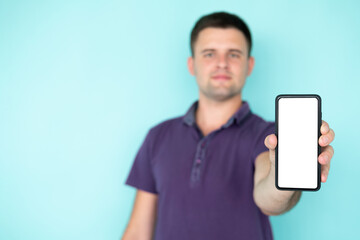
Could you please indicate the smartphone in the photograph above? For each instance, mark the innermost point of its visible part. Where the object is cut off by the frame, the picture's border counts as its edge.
(298, 122)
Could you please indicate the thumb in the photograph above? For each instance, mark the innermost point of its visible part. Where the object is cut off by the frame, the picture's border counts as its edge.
(271, 142)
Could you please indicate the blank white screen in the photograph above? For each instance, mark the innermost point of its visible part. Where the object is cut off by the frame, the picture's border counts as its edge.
(297, 142)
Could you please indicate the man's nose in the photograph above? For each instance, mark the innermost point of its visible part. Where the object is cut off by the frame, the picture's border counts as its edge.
(222, 61)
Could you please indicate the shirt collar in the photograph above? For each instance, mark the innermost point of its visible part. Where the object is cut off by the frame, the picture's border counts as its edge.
(239, 115)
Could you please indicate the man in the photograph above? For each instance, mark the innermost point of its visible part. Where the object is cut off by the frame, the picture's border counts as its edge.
(210, 174)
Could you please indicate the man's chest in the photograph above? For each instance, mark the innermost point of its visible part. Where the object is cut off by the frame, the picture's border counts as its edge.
(217, 162)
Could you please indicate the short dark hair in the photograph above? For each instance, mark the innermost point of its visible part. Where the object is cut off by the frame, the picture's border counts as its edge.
(220, 20)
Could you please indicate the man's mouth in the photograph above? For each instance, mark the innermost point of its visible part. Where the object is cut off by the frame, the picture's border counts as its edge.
(221, 77)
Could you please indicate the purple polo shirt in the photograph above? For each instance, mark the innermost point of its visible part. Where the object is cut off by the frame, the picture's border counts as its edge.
(204, 184)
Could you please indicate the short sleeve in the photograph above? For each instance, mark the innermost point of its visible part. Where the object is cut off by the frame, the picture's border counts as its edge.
(141, 174)
(260, 147)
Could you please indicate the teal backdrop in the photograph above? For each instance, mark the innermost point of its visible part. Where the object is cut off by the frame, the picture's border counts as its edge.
(81, 82)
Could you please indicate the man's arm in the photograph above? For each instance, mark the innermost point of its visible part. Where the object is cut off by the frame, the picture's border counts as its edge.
(143, 217)
(267, 197)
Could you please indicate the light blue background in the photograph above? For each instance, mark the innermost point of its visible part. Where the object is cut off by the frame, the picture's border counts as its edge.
(81, 82)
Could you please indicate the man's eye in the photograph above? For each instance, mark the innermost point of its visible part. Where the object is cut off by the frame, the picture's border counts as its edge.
(233, 55)
(208, 54)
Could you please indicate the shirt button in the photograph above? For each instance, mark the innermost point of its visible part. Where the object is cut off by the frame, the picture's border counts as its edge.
(198, 161)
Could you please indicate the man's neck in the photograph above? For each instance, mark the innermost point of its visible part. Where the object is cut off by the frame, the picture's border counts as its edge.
(211, 115)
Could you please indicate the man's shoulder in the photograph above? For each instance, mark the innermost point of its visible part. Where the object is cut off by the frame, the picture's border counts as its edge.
(166, 126)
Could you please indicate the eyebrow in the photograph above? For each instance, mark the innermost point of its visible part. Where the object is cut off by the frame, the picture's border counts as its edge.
(230, 50)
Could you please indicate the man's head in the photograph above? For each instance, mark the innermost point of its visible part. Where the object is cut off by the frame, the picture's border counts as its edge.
(220, 20)
(220, 61)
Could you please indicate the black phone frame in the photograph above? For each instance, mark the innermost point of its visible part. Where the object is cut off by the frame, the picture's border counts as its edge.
(277, 131)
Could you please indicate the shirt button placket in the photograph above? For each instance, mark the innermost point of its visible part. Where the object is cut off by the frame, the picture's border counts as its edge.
(199, 158)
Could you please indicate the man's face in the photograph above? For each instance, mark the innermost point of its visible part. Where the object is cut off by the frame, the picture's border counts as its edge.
(220, 63)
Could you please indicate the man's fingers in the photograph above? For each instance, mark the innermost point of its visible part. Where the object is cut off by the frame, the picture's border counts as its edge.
(271, 142)
(327, 134)
(324, 129)
(326, 154)
(327, 138)
(325, 172)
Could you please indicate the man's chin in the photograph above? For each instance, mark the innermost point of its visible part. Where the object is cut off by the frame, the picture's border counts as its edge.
(221, 97)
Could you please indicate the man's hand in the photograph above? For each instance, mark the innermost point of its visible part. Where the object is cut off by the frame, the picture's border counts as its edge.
(267, 197)
(327, 151)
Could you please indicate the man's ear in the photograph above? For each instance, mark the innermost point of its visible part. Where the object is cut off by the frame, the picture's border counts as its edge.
(251, 63)
(190, 65)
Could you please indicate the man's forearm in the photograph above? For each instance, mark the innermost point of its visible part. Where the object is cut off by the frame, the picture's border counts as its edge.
(271, 200)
